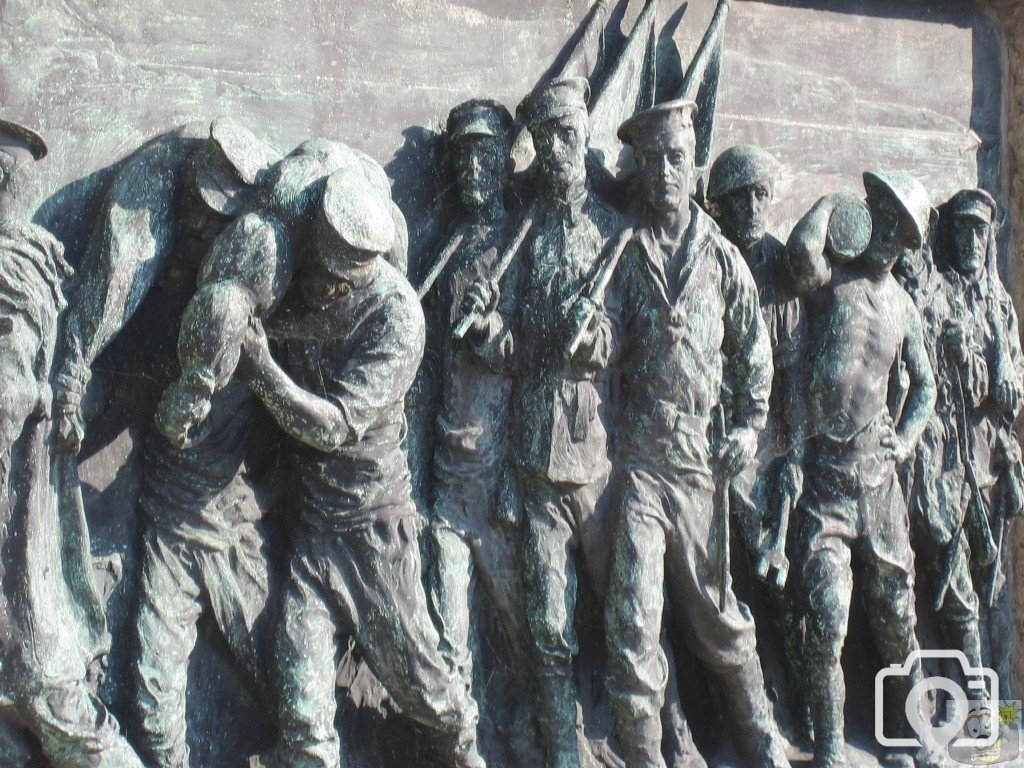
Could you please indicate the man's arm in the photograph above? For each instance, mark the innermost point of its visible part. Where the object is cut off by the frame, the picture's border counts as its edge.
(921, 395)
(377, 374)
(127, 250)
(748, 356)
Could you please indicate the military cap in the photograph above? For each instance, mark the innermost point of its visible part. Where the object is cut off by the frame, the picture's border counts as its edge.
(908, 193)
(976, 203)
(234, 160)
(554, 99)
(479, 117)
(669, 115)
(358, 214)
(739, 167)
(17, 137)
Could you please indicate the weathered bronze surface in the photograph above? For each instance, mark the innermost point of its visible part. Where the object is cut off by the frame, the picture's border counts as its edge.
(624, 452)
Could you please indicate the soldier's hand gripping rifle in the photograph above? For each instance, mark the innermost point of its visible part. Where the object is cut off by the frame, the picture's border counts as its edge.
(598, 288)
(500, 268)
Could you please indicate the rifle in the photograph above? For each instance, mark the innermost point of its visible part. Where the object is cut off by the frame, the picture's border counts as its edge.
(975, 514)
(720, 505)
(600, 285)
(500, 268)
(440, 264)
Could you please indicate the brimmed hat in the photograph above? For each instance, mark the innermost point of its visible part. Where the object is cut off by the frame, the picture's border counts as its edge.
(554, 99)
(976, 203)
(739, 167)
(358, 214)
(669, 115)
(235, 161)
(479, 117)
(908, 193)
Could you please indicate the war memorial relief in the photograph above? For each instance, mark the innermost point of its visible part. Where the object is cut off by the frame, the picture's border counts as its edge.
(467, 383)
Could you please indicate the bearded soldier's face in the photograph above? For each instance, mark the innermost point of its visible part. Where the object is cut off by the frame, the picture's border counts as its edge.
(561, 145)
(665, 161)
(970, 237)
(481, 167)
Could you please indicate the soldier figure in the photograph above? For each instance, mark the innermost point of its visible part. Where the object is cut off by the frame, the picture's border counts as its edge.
(202, 545)
(741, 186)
(934, 481)
(967, 245)
(470, 542)
(689, 305)
(52, 625)
(352, 336)
(859, 321)
(559, 446)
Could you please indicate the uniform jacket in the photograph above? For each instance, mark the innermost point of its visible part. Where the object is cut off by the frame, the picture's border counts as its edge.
(682, 333)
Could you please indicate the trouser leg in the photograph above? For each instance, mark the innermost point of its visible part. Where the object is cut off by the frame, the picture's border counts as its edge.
(637, 667)
(550, 593)
(74, 727)
(165, 634)
(719, 628)
(379, 572)
(827, 577)
(306, 650)
(496, 565)
(450, 579)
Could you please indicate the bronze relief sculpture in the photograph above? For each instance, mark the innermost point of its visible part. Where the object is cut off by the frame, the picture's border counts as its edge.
(661, 436)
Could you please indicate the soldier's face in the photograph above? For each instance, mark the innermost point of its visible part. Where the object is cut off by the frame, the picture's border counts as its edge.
(970, 237)
(481, 164)
(744, 213)
(893, 237)
(665, 161)
(561, 146)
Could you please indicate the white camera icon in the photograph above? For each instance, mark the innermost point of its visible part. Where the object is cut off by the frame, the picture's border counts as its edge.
(984, 685)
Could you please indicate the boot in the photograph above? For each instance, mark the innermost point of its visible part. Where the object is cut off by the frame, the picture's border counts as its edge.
(758, 743)
(828, 696)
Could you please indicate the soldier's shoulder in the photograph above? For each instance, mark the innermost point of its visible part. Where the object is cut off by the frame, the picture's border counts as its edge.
(398, 298)
(607, 218)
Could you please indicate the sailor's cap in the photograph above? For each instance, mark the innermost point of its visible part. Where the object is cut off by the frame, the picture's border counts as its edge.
(670, 116)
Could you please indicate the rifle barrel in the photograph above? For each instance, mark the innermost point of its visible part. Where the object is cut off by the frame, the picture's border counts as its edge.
(500, 268)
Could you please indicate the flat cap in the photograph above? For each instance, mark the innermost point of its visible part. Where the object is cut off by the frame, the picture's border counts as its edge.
(479, 117)
(554, 99)
(667, 116)
(15, 136)
(739, 167)
(976, 203)
(909, 194)
(358, 213)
